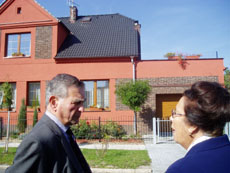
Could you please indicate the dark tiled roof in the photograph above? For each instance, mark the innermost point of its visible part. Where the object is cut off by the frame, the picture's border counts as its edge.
(103, 36)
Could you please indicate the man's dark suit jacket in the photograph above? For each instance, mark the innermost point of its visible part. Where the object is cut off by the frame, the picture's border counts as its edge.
(210, 156)
(44, 150)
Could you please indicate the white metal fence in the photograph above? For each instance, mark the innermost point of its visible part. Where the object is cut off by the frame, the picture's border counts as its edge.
(162, 132)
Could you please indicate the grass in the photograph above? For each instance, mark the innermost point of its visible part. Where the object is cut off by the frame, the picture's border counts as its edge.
(7, 158)
(123, 159)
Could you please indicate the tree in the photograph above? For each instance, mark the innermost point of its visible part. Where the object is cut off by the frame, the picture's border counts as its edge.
(7, 95)
(6, 103)
(35, 117)
(22, 122)
(133, 94)
(227, 78)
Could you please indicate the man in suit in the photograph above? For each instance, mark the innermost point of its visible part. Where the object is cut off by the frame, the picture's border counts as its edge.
(50, 147)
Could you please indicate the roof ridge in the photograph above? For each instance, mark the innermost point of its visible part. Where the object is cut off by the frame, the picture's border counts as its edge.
(93, 15)
(98, 15)
(127, 17)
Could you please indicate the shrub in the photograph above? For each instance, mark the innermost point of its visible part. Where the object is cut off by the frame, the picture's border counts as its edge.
(85, 130)
(95, 133)
(82, 130)
(113, 129)
(22, 122)
(35, 116)
(170, 54)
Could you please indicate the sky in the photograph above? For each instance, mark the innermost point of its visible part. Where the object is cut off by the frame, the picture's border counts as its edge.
(180, 26)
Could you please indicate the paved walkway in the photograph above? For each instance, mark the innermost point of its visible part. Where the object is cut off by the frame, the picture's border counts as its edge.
(162, 155)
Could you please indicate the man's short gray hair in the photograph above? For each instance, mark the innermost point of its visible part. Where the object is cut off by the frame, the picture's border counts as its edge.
(59, 85)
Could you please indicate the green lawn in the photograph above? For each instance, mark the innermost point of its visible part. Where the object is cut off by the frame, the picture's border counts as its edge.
(124, 159)
(7, 158)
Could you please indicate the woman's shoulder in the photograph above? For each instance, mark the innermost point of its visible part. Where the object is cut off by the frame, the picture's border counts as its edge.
(183, 165)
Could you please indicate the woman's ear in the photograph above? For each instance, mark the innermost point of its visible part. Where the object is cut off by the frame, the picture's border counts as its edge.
(53, 102)
(193, 130)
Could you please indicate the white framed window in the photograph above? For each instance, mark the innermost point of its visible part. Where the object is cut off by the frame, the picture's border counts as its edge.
(33, 94)
(97, 94)
(18, 45)
(13, 87)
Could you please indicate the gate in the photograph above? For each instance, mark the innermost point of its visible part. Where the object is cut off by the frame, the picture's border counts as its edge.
(1, 128)
(162, 132)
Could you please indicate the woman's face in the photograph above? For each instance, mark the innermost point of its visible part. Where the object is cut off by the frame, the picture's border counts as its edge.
(180, 125)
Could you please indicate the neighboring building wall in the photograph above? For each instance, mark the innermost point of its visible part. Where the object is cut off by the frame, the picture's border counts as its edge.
(163, 86)
(43, 42)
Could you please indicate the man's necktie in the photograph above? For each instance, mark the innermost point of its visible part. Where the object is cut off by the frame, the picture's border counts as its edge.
(78, 152)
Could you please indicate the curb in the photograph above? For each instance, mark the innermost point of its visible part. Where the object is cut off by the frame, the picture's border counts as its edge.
(101, 170)
(4, 166)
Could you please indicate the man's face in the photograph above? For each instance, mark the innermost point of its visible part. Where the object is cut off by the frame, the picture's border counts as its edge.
(70, 108)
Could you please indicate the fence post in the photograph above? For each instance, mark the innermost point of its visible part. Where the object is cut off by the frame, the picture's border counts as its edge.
(99, 130)
(1, 123)
(154, 131)
(158, 128)
(8, 131)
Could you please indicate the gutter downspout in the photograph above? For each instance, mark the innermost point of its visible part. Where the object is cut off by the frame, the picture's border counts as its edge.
(134, 70)
(135, 114)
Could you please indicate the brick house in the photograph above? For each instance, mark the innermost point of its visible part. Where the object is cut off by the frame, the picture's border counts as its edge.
(101, 50)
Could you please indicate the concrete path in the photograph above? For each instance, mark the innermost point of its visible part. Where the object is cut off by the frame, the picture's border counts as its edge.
(163, 155)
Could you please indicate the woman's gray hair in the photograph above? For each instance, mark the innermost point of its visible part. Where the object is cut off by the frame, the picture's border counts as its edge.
(59, 85)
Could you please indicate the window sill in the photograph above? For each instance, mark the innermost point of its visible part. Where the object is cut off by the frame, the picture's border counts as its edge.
(96, 110)
(12, 57)
(5, 110)
(31, 109)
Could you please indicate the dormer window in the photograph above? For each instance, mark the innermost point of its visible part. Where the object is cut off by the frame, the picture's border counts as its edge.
(18, 45)
(19, 10)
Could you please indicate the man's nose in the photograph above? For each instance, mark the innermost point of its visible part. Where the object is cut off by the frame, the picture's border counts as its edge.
(81, 108)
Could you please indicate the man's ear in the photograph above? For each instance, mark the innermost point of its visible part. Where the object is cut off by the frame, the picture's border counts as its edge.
(53, 101)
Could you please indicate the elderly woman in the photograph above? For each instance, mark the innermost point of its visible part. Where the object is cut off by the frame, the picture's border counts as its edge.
(197, 124)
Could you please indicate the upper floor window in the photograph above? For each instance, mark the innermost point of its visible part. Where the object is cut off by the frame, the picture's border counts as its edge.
(34, 94)
(97, 95)
(18, 44)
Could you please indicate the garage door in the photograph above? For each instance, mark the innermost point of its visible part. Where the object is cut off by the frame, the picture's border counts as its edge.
(165, 103)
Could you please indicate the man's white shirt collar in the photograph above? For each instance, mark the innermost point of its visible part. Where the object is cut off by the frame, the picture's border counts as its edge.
(57, 121)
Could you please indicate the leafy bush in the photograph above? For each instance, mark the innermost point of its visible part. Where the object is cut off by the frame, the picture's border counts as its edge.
(85, 130)
(113, 129)
(82, 130)
(169, 54)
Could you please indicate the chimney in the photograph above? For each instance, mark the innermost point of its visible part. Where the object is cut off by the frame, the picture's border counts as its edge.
(137, 26)
(73, 14)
